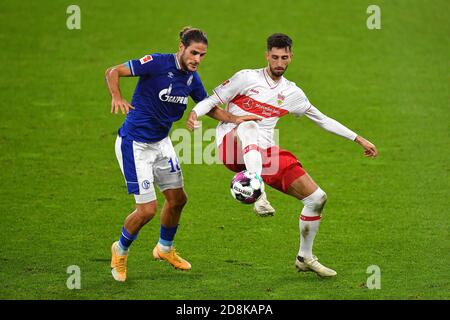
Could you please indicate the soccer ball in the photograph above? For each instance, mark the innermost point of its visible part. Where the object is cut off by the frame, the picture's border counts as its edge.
(246, 187)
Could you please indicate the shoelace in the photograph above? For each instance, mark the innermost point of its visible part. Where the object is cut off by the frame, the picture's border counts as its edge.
(317, 264)
(314, 261)
(121, 266)
(173, 254)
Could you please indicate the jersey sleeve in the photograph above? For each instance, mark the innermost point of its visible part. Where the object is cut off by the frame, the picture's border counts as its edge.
(148, 64)
(198, 93)
(300, 103)
(232, 87)
(329, 124)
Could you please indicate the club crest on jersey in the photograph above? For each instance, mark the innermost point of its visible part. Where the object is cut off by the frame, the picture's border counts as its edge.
(280, 99)
(164, 95)
(170, 75)
(145, 184)
(146, 59)
(190, 80)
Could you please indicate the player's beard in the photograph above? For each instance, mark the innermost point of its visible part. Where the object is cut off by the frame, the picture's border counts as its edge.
(278, 73)
(184, 63)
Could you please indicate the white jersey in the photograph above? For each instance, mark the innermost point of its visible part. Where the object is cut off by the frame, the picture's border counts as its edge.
(253, 92)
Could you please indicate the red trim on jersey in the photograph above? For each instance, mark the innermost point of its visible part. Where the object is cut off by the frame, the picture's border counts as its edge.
(250, 147)
(218, 96)
(265, 77)
(259, 108)
(306, 218)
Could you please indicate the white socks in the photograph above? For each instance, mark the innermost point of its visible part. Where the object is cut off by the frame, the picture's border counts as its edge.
(308, 230)
(120, 251)
(248, 134)
(163, 248)
(310, 221)
(253, 161)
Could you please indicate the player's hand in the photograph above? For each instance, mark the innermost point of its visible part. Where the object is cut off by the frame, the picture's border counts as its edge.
(122, 104)
(369, 148)
(192, 122)
(241, 119)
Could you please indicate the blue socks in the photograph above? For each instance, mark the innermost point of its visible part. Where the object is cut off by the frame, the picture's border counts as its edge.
(166, 235)
(126, 239)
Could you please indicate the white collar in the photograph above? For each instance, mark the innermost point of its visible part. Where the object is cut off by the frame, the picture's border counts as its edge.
(272, 84)
(177, 63)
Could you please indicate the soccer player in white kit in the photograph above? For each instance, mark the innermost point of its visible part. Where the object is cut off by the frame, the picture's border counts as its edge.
(250, 145)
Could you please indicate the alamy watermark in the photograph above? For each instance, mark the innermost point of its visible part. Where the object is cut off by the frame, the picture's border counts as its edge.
(74, 279)
(190, 148)
(374, 20)
(374, 280)
(73, 21)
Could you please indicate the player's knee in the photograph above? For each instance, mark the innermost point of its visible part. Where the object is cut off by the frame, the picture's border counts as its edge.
(178, 202)
(247, 129)
(315, 201)
(248, 125)
(146, 211)
(181, 202)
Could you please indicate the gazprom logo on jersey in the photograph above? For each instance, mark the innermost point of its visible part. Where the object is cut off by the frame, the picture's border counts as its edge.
(164, 95)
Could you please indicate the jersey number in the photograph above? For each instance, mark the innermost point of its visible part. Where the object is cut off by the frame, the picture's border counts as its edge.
(174, 166)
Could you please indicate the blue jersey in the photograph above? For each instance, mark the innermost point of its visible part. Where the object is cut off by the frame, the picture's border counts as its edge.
(160, 97)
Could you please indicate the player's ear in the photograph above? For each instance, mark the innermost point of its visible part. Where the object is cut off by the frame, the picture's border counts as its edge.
(181, 47)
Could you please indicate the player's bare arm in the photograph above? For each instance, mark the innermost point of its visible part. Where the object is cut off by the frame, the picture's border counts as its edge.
(369, 148)
(220, 115)
(112, 76)
(225, 116)
(192, 121)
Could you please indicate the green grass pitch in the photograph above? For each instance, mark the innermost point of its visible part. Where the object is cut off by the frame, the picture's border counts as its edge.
(63, 200)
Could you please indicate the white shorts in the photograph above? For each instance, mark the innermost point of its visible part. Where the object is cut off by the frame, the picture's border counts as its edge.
(143, 164)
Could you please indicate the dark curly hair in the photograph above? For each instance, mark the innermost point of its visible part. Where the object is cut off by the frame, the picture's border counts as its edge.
(189, 34)
(279, 40)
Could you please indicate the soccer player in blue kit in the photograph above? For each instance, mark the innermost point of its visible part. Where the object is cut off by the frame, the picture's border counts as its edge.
(143, 148)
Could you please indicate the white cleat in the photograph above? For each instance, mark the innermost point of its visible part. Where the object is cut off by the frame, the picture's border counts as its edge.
(262, 207)
(312, 264)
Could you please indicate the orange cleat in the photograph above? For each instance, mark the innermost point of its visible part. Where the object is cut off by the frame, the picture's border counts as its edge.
(171, 257)
(118, 264)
